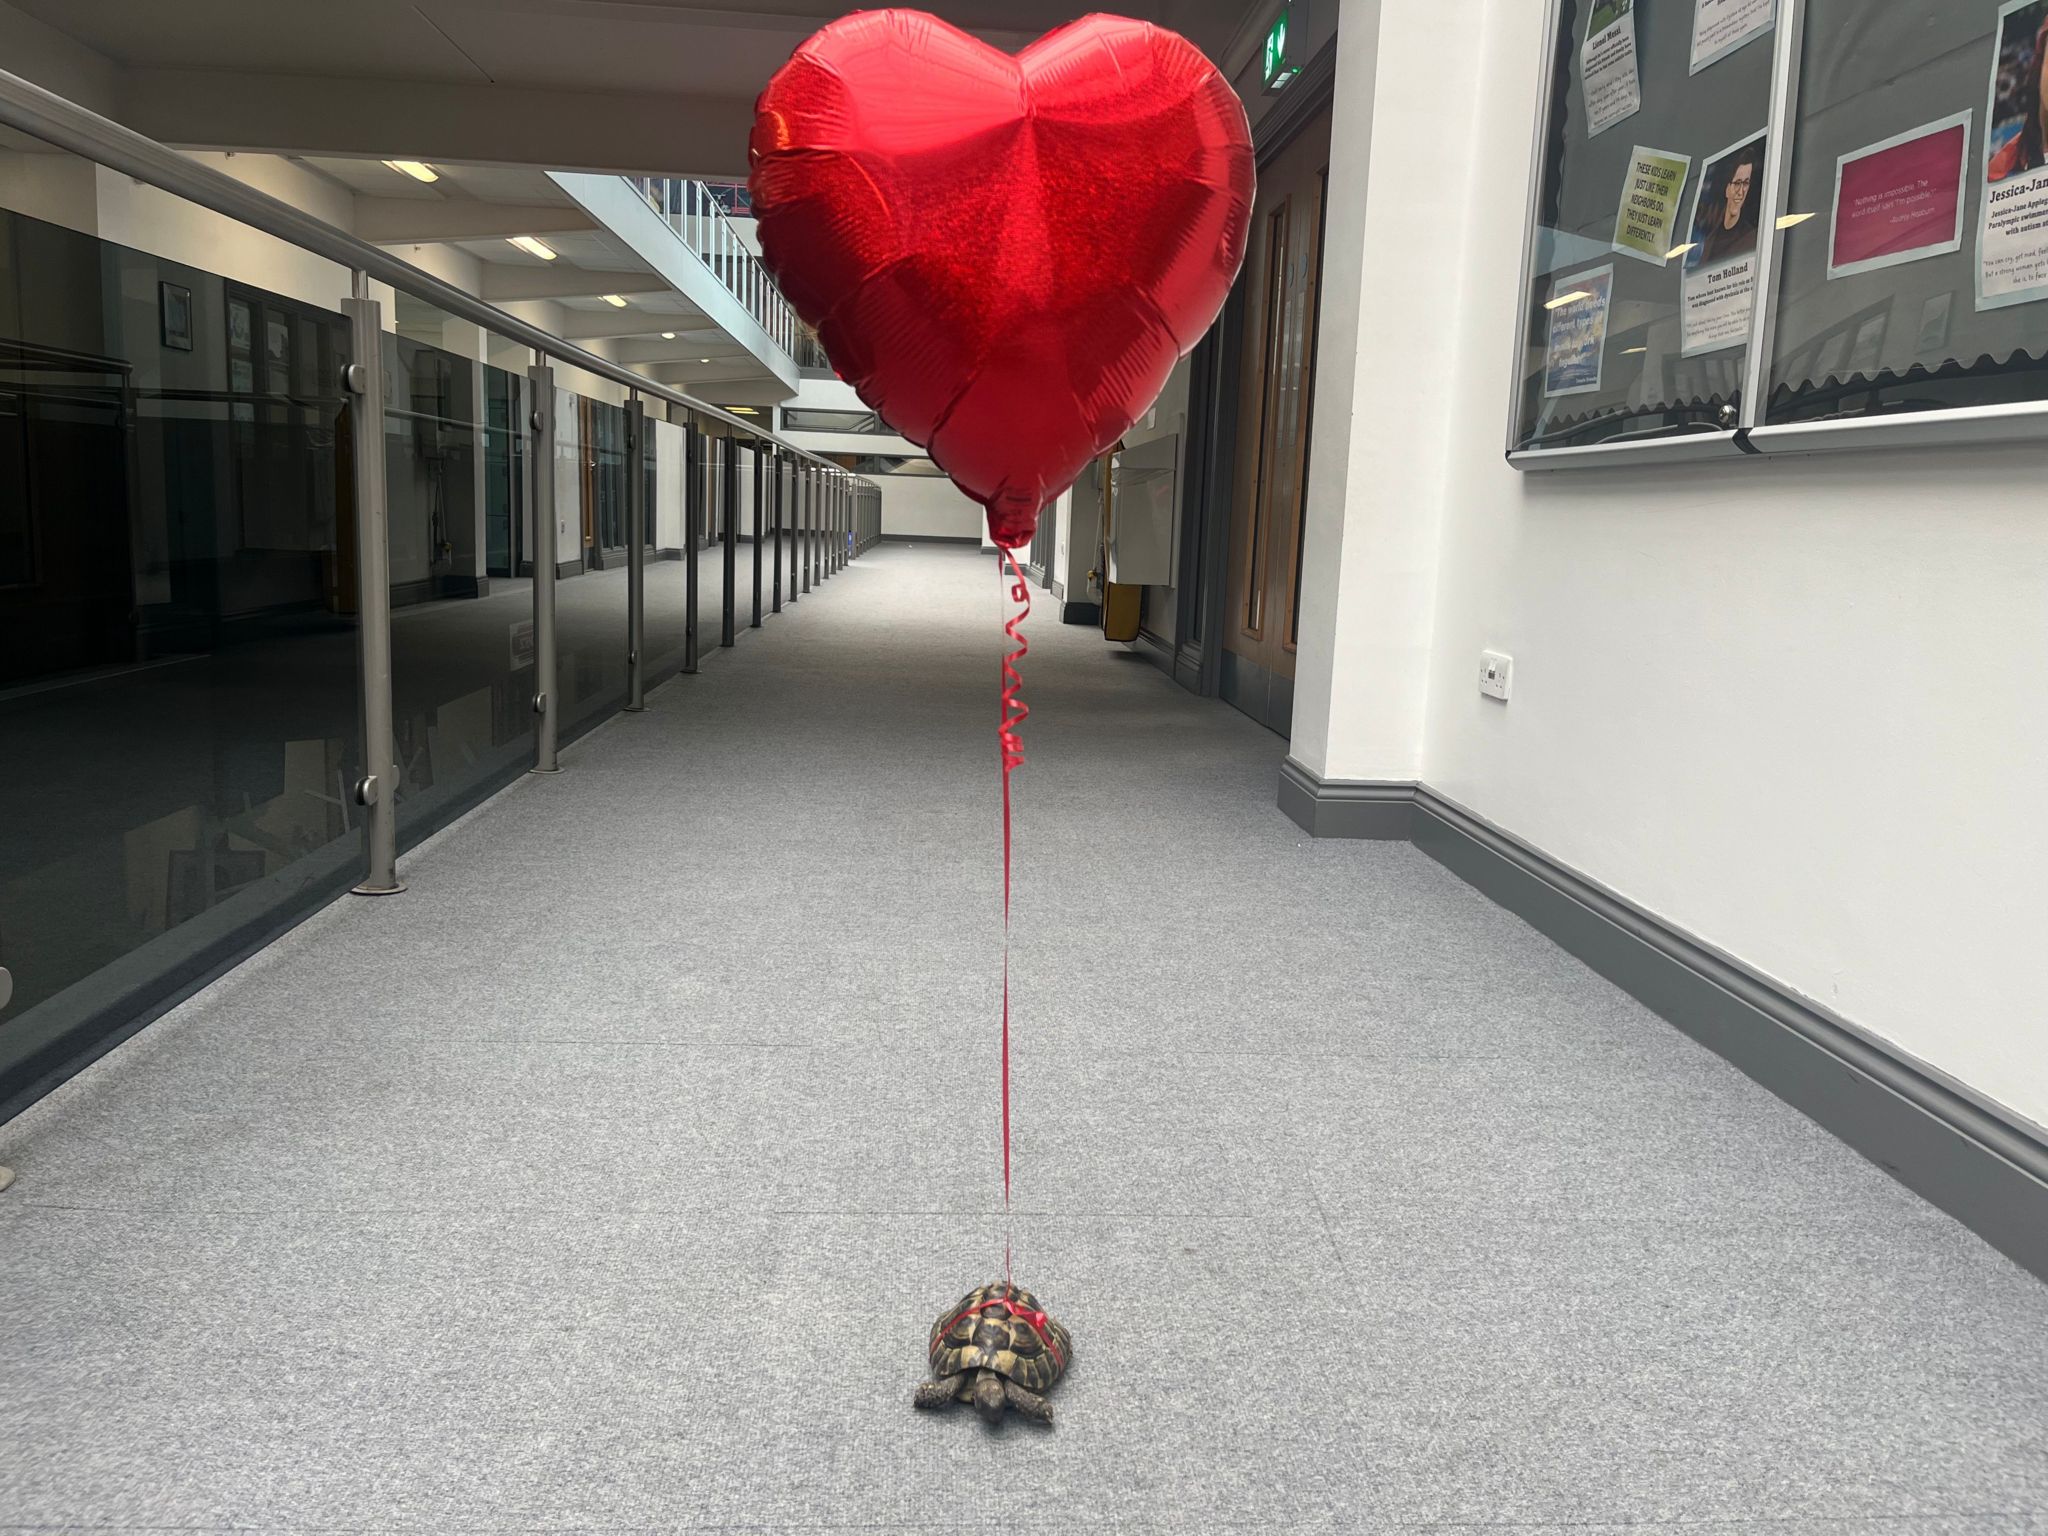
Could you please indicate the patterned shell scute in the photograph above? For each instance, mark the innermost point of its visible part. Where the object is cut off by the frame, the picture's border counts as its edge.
(970, 1335)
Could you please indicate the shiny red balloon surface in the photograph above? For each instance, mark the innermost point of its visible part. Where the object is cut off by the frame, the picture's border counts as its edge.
(1003, 255)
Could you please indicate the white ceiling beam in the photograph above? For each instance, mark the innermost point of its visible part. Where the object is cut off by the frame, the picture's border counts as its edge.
(422, 221)
(697, 377)
(559, 280)
(296, 114)
(586, 325)
(688, 345)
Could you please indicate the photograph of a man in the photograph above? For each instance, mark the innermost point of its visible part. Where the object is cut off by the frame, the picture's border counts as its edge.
(1727, 206)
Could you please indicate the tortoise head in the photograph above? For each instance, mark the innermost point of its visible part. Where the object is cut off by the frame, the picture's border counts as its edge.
(988, 1397)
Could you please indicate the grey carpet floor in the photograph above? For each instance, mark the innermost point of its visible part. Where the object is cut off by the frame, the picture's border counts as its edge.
(610, 1178)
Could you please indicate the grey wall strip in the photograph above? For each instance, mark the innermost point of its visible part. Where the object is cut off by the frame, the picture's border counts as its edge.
(1378, 812)
(1987, 1170)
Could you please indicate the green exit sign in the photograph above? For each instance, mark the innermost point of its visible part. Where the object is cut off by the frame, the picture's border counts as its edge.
(1280, 65)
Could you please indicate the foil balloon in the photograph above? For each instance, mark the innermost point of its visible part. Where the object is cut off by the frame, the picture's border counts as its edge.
(1003, 255)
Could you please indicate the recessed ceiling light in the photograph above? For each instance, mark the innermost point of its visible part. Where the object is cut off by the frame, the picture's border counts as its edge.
(1629, 351)
(703, 359)
(615, 301)
(668, 335)
(1568, 298)
(1793, 218)
(418, 170)
(531, 246)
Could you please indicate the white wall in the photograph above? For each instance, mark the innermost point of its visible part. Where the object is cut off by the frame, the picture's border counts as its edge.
(58, 189)
(163, 225)
(1781, 704)
(926, 506)
(668, 484)
(568, 477)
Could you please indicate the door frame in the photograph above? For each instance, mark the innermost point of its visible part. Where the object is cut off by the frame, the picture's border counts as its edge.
(1197, 659)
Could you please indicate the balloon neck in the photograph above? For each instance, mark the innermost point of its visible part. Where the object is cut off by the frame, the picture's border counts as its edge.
(1013, 522)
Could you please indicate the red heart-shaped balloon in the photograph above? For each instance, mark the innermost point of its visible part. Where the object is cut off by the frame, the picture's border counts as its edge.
(1004, 256)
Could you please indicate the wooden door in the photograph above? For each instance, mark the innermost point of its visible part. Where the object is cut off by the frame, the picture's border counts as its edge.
(1276, 388)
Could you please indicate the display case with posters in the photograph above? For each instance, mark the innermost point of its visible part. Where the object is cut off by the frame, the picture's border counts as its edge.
(1642, 258)
(1864, 263)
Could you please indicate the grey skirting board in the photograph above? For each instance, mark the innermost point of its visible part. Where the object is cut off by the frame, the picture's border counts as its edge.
(1983, 1167)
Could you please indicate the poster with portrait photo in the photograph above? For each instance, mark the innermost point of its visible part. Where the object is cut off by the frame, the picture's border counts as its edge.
(2012, 217)
(1719, 287)
(1578, 332)
(1607, 65)
(1720, 27)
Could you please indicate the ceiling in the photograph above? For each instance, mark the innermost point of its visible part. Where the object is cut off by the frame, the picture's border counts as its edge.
(475, 209)
(667, 46)
(424, 78)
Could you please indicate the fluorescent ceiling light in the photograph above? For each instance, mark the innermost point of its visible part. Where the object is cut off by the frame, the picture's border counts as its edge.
(668, 335)
(1625, 351)
(1568, 298)
(531, 246)
(1676, 251)
(1793, 218)
(743, 410)
(615, 301)
(418, 170)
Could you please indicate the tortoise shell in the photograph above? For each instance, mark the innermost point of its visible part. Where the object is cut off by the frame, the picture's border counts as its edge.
(1001, 1328)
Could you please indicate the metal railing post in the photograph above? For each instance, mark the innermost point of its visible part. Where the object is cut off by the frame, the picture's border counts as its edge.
(540, 480)
(693, 520)
(795, 521)
(636, 554)
(730, 576)
(377, 791)
(760, 533)
(808, 514)
(775, 517)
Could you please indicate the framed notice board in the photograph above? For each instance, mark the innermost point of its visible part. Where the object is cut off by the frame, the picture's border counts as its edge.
(1760, 226)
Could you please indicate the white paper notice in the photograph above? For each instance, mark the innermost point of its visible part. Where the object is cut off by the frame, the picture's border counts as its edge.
(2012, 219)
(1717, 305)
(1608, 65)
(1719, 27)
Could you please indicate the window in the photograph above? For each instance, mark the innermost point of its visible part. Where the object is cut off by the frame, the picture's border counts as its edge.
(812, 419)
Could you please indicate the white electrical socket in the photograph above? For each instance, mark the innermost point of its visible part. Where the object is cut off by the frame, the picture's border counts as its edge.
(1496, 674)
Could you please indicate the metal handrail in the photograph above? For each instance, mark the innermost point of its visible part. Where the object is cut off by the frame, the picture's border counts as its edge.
(694, 212)
(43, 114)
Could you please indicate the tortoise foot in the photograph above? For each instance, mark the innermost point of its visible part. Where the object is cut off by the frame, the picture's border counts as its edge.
(933, 1394)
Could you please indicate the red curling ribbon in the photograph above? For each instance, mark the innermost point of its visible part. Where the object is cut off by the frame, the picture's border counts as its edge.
(1011, 713)
(1037, 1322)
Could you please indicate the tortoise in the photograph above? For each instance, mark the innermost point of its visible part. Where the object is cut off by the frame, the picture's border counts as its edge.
(996, 1347)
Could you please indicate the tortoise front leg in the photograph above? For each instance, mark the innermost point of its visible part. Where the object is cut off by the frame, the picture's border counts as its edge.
(937, 1394)
(1027, 1402)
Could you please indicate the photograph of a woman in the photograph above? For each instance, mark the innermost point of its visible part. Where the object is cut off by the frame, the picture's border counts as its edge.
(2019, 104)
(1725, 211)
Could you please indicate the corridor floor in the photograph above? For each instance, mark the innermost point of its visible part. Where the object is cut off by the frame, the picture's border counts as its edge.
(610, 1178)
